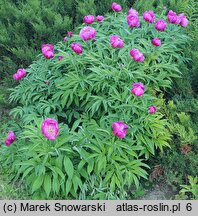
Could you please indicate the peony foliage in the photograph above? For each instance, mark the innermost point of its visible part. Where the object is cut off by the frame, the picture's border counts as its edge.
(100, 104)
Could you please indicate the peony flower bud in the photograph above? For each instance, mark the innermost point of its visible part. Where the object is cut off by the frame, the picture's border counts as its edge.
(65, 39)
(149, 16)
(99, 18)
(10, 138)
(50, 128)
(156, 42)
(115, 41)
(87, 33)
(69, 34)
(120, 129)
(160, 25)
(60, 58)
(77, 48)
(19, 74)
(152, 109)
(137, 89)
(89, 19)
(116, 7)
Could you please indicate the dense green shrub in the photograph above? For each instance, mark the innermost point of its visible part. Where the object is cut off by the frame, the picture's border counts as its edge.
(180, 161)
(87, 93)
(176, 5)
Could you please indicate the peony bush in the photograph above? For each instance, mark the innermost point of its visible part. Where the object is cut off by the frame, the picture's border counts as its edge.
(89, 109)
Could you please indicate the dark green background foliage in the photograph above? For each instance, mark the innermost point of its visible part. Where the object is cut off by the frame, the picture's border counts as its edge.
(181, 160)
(25, 25)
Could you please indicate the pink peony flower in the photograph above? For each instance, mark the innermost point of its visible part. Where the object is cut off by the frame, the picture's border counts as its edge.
(152, 109)
(181, 15)
(65, 39)
(69, 34)
(137, 89)
(8, 142)
(89, 19)
(183, 21)
(133, 12)
(137, 55)
(120, 129)
(172, 17)
(16, 77)
(47, 47)
(19, 74)
(156, 42)
(49, 54)
(50, 128)
(60, 58)
(10, 138)
(160, 25)
(149, 16)
(77, 48)
(116, 7)
(115, 41)
(133, 20)
(99, 18)
(47, 50)
(87, 33)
